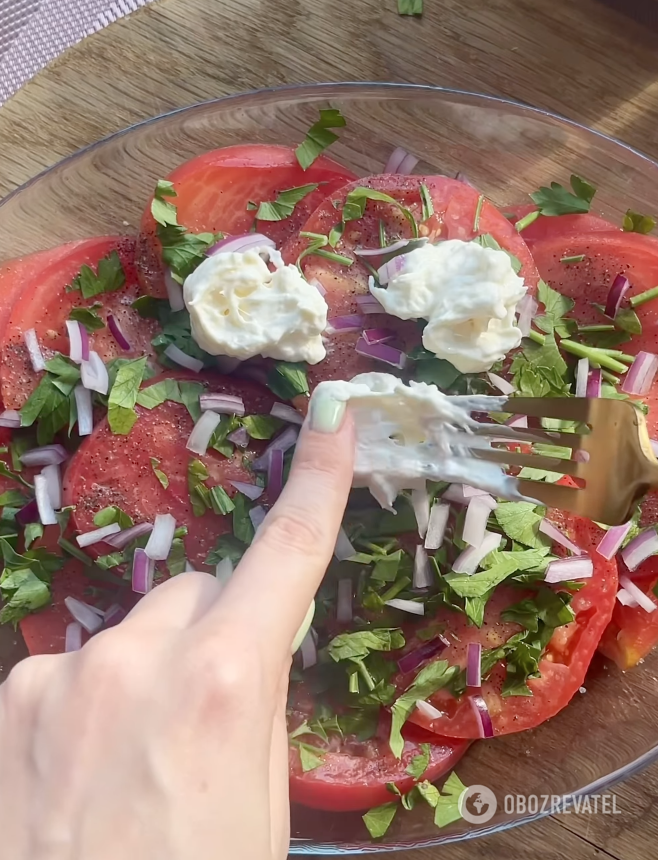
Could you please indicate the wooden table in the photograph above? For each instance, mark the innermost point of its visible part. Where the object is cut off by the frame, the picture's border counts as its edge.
(577, 57)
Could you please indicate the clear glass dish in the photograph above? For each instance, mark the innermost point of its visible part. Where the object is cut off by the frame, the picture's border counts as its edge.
(608, 732)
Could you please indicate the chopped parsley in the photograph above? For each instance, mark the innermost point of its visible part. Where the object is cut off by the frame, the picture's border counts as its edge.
(50, 402)
(285, 203)
(157, 471)
(319, 136)
(419, 764)
(288, 379)
(108, 277)
(634, 222)
(558, 200)
(520, 522)
(227, 546)
(243, 528)
(357, 198)
(182, 251)
(261, 426)
(25, 581)
(426, 201)
(316, 247)
(202, 497)
(576, 258)
(121, 413)
(379, 819)
(113, 514)
(556, 307)
(88, 317)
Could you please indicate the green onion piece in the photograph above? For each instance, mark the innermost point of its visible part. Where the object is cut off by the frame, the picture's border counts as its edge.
(593, 354)
(478, 212)
(577, 258)
(527, 220)
(646, 296)
(610, 377)
(538, 338)
(595, 328)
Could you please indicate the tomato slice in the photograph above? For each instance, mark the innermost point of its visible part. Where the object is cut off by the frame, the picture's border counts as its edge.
(633, 632)
(354, 774)
(214, 189)
(563, 666)
(111, 469)
(549, 227)
(455, 205)
(44, 305)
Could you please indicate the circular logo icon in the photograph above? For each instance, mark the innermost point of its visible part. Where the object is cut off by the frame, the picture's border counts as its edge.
(477, 804)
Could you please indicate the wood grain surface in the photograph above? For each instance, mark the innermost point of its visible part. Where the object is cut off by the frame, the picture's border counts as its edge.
(580, 58)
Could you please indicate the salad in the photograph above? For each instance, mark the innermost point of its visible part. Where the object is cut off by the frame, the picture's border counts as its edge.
(153, 388)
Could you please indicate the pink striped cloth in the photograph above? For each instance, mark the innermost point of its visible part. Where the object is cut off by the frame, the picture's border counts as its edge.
(34, 32)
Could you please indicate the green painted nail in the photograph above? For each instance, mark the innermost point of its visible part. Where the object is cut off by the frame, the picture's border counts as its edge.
(327, 414)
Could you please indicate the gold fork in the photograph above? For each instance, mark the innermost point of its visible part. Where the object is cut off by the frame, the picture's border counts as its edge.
(610, 451)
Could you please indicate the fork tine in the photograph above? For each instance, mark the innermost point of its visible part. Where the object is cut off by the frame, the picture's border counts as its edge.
(553, 495)
(521, 434)
(565, 408)
(534, 461)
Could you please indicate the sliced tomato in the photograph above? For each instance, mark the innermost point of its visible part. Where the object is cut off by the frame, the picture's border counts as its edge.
(111, 469)
(455, 206)
(214, 190)
(548, 227)
(354, 774)
(44, 305)
(563, 666)
(633, 632)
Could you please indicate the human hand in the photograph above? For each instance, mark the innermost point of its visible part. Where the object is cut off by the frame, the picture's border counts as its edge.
(165, 737)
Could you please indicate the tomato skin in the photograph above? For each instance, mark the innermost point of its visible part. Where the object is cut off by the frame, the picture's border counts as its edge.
(213, 191)
(562, 668)
(44, 305)
(112, 469)
(351, 783)
(552, 226)
(455, 205)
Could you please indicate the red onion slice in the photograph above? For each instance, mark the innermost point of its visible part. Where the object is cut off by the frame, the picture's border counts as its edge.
(422, 576)
(54, 482)
(113, 616)
(594, 382)
(240, 244)
(10, 418)
(469, 560)
(78, 341)
(343, 549)
(174, 292)
(47, 455)
(462, 177)
(161, 538)
(226, 404)
(611, 542)
(436, 528)
(474, 665)
(239, 437)
(226, 364)
(181, 358)
(553, 532)
(620, 286)
(654, 446)
(640, 548)
(73, 637)
(121, 539)
(420, 501)
(641, 373)
(34, 350)
(369, 305)
(429, 712)
(318, 286)
(501, 384)
(308, 650)
(582, 374)
(626, 599)
(93, 373)
(391, 269)
(117, 333)
(400, 161)
(526, 309)
(283, 442)
(414, 659)
(482, 715)
(520, 421)
(379, 252)
(90, 618)
(29, 513)
(410, 606)
(286, 413)
(477, 516)
(275, 475)
(251, 491)
(344, 324)
(637, 594)
(84, 410)
(377, 335)
(344, 601)
(576, 567)
(44, 504)
(201, 435)
(257, 516)
(142, 572)
(97, 535)
(381, 352)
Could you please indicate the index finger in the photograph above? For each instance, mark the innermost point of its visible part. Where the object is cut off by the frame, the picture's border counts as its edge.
(279, 574)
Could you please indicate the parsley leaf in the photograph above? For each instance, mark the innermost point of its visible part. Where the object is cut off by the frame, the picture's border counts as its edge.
(410, 7)
(358, 645)
(164, 212)
(431, 678)
(480, 583)
(625, 319)
(112, 559)
(379, 819)
(22, 593)
(557, 200)
(182, 251)
(309, 756)
(355, 206)
(243, 528)
(121, 413)
(32, 532)
(432, 370)
(285, 203)
(227, 546)
(447, 809)
(108, 278)
(220, 501)
(287, 379)
(197, 474)
(113, 514)
(319, 136)
(520, 522)
(633, 222)
(540, 371)
(88, 317)
(158, 393)
(419, 764)
(159, 474)
(261, 426)
(177, 558)
(555, 308)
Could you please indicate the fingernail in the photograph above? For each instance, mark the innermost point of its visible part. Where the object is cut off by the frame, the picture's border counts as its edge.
(327, 414)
